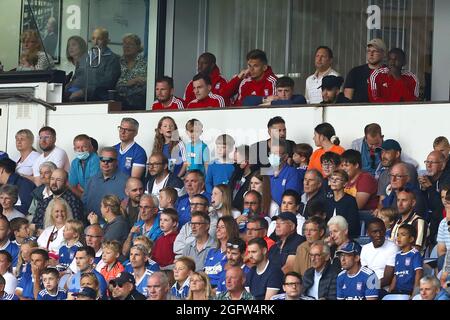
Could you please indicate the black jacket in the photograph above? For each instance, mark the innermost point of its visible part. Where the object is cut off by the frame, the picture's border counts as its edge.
(173, 181)
(327, 283)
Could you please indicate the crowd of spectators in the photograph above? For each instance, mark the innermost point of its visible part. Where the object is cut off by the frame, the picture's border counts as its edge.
(277, 220)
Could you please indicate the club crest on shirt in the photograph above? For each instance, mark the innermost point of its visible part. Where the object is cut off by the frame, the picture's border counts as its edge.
(359, 286)
(407, 262)
(217, 85)
(266, 92)
(128, 162)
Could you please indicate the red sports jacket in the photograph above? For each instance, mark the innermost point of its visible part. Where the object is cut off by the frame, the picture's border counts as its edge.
(218, 82)
(176, 104)
(385, 88)
(212, 101)
(248, 87)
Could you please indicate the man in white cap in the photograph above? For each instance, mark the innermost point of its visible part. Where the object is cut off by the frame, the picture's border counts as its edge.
(355, 87)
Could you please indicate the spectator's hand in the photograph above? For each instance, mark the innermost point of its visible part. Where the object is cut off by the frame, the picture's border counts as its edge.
(92, 218)
(272, 98)
(135, 230)
(70, 296)
(424, 182)
(242, 218)
(244, 73)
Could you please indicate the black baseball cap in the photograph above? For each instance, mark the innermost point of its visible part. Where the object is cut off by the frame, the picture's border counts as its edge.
(331, 82)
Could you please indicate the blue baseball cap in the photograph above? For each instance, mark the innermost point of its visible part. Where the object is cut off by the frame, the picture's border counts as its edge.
(350, 248)
(391, 144)
(3, 155)
(287, 216)
(86, 292)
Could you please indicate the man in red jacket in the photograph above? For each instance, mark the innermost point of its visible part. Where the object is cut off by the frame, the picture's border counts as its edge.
(165, 100)
(392, 84)
(206, 64)
(204, 98)
(257, 80)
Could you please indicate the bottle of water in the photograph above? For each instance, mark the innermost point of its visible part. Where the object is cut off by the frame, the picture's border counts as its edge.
(243, 224)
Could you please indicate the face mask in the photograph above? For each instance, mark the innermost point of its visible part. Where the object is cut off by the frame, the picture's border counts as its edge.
(82, 155)
(274, 160)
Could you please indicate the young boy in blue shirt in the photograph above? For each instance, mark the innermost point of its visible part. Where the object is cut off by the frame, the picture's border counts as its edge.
(222, 168)
(408, 262)
(197, 151)
(50, 278)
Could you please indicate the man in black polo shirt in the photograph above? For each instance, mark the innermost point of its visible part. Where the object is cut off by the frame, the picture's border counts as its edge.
(356, 83)
(289, 240)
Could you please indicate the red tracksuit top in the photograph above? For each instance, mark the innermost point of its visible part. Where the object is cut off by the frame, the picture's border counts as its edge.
(385, 88)
(218, 82)
(248, 87)
(213, 100)
(175, 104)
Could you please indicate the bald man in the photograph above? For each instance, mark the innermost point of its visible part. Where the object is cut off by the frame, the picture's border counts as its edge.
(431, 185)
(235, 283)
(134, 189)
(103, 72)
(60, 189)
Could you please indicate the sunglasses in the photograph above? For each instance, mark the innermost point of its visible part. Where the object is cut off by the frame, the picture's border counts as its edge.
(234, 246)
(117, 285)
(107, 160)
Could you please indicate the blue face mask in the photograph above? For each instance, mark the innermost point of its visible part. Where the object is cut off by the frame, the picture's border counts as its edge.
(82, 155)
(274, 160)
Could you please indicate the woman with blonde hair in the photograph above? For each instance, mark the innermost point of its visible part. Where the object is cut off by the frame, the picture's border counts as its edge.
(31, 44)
(27, 154)
(58, 212)
(199, 287)
(221, 201)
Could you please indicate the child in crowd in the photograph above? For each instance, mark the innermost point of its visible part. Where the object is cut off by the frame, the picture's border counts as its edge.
(50, 279)
(73, 233)
(221, 169)
(408, 262)
(163, 251)
(167, 198)
(197, 150)
(110, 256)
(148, 244)
(301, 155)
(28, 62)
(184, 267)
(20, 227)
(389, 216)
(167, 141)
(24, 259)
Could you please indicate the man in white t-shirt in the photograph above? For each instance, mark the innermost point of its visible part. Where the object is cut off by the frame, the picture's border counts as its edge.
(323, 61)
(379, 255)
(47, 140)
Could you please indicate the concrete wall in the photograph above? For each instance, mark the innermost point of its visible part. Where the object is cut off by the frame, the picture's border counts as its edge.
(414, 126)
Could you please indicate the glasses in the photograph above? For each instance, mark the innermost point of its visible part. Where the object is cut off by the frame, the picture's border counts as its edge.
(154, 164)
(397, 176)
(125, 129)
(431, 162)
(107, 160)
(45, 137)
(115, 285)
(313, 256)
(197, 224)
(327, 164)
(336, 180)
(234, 246)
(292, 284)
